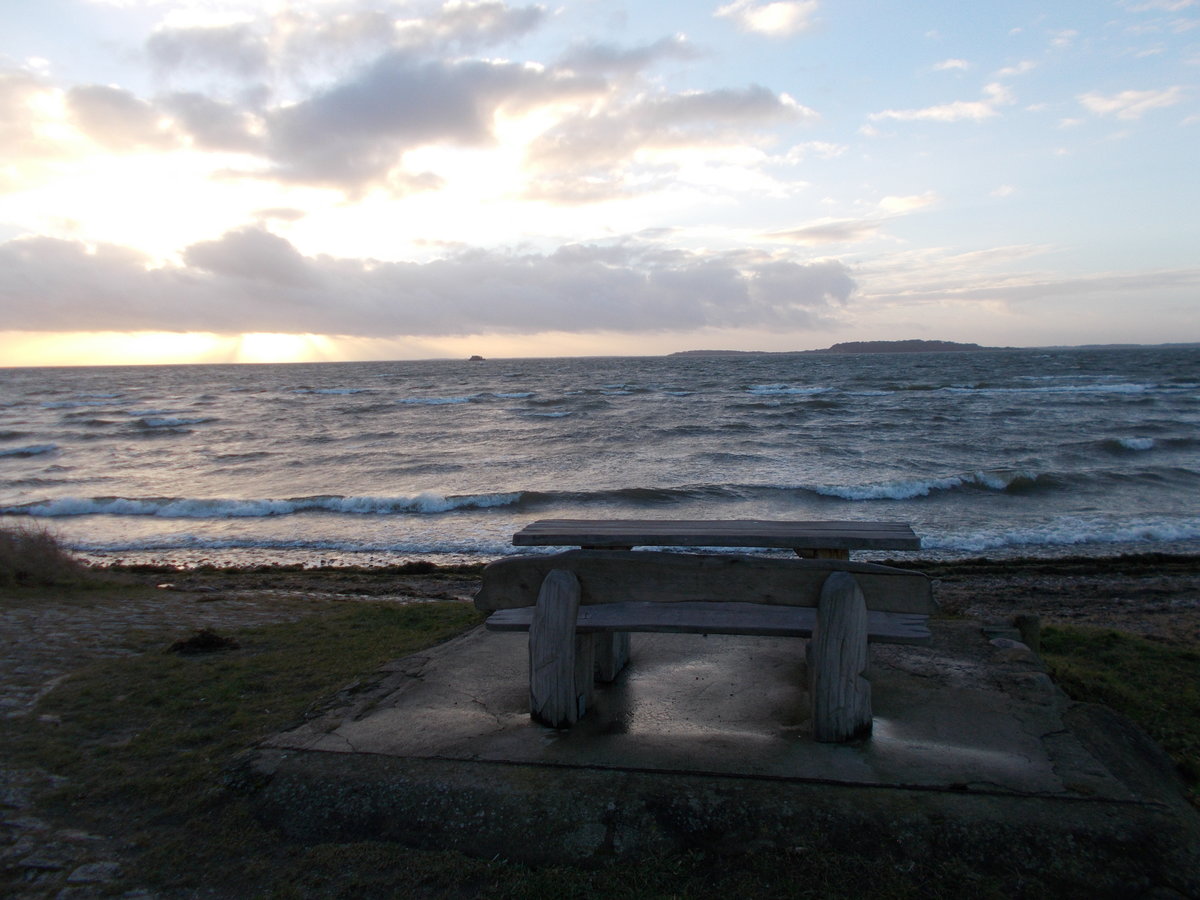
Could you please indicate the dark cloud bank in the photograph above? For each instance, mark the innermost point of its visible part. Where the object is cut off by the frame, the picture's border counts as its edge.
(251, 280)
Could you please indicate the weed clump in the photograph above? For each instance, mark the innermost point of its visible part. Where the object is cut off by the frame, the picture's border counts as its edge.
(34, 557)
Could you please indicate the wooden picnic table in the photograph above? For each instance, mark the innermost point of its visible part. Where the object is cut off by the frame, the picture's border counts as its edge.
(813, 540)
(581, 605)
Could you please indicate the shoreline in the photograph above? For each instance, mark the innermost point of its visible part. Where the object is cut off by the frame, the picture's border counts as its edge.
(1152, 594)
(257, 557)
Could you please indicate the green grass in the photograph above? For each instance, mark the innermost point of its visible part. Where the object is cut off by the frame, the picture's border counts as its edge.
(145, 743)
(1154, 683)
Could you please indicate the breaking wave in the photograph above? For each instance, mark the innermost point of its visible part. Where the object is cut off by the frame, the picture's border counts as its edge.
(31, 450)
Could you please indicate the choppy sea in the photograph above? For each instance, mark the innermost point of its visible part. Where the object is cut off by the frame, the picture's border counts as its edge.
(1027, 452)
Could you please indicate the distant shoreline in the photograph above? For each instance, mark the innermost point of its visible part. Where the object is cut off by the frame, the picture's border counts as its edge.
(923, 346)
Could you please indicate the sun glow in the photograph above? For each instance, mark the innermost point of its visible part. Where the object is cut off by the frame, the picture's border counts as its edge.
(23, 348)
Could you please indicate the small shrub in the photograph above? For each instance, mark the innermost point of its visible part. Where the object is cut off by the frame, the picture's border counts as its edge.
(34, 557)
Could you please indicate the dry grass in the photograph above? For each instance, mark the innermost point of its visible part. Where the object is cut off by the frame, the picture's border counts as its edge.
(32, 556)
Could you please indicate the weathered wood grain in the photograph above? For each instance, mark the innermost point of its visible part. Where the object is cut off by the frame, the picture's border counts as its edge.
(614, 576)
(717, 618)
(554, 651)
(612, 653)
(614, 533)
(840, 695)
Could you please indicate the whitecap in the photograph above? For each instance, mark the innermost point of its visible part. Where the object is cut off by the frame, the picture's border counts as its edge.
(222, 508)
(169, 421)
(435, 401)
(31, 450)
(784, 389)
(1136, 443)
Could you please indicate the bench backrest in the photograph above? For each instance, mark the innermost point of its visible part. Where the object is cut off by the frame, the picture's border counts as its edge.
(614, 576)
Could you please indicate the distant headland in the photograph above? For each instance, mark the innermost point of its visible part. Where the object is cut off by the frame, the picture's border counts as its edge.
(915, 346)
(860, 347)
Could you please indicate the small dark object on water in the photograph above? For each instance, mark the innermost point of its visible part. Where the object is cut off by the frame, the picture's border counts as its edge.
(203, 641)
(476, 359)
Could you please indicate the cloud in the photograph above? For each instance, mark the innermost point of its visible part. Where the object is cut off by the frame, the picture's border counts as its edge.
(1132, 104)
(295, 39)
(1163, 5)
(214, 124)
(252, 254)
(21, 137)
(116, 119)
(470, 24)
(898, 205)
(587, 156)
(595, 58)
(995, 95)
(830, 231)
(779, 19)
(236, 50)
(1025, 65)
(343, 102)
(949, 65)
(352, 135)
(251, 280)
(838, 231)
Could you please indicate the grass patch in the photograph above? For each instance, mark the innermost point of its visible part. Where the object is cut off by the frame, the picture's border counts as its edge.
(32, 556)
(1155, 684)
(143, 743)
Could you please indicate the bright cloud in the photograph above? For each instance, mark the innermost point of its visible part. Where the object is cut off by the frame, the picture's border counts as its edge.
(1132, 104)
(778, 19)
(995, 95)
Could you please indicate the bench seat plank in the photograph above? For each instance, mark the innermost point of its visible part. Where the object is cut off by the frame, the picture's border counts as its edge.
(717, 618)
(785, 535)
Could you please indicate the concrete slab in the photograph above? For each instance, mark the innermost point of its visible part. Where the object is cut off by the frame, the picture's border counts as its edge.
(971, 738)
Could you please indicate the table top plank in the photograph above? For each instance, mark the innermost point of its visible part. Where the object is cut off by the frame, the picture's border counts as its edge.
(764, 533)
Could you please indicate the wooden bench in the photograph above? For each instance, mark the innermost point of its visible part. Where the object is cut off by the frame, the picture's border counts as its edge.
(580, 606)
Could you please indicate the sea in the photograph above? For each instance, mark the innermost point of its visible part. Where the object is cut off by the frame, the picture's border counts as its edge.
(1043, 453)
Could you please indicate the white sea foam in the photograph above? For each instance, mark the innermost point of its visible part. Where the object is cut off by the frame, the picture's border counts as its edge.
(785, 390)
(909, 489)
(194, 508)
(1136, 443)
(31, 450)
(1122, 388)
(170, 421)
(1066, 532)
(435, 401)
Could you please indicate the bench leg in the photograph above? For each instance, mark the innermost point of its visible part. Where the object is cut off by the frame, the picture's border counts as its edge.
(612, 654)
(837, 659)
(560, 662)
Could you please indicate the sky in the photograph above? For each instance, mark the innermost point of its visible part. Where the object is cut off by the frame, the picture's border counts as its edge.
(207, 181)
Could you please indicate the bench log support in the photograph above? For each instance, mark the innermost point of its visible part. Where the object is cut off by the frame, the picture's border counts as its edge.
(612, 654)
(837, 660)
(580, 607)
(561, 662)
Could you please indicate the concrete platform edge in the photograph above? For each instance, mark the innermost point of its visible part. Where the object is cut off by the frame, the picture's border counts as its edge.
(553, 815)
